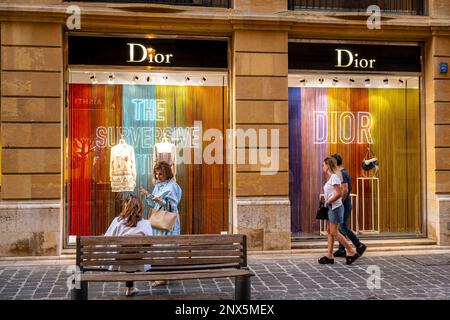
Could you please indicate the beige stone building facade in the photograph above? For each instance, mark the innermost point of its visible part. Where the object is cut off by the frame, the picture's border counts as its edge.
(34, 81)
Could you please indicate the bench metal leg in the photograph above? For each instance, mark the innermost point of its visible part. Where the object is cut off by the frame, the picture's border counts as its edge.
(242, 288)
(82, 293)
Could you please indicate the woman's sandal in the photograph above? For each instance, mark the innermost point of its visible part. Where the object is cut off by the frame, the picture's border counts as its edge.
(133, 292)
(326, 260)
(351, 259)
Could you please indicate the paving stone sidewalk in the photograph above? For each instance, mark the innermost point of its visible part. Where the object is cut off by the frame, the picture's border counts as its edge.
(295, 276)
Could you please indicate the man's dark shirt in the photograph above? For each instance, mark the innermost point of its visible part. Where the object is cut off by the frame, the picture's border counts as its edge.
(348, 180)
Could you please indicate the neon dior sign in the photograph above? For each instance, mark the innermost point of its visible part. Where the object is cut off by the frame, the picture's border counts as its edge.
(139, 53)
(343, 127)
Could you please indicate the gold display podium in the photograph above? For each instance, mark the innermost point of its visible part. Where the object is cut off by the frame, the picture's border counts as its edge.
(374, 204)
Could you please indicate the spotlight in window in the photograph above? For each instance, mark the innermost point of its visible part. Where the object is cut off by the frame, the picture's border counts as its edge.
(386, 82)
(93, 78)
(352, 81)
(135, 78)
(321, 80)
(302, 82)
(202, 81)
(335, 81)
(111, 79)
(401, 82)
(367, 81)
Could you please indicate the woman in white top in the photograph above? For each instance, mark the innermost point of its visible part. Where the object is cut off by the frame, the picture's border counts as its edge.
(131, 223)
(333, 200)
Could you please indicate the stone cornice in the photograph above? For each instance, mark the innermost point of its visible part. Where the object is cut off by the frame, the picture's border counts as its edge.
(218, 21)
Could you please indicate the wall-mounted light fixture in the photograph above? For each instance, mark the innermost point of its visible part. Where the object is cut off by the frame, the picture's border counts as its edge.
(93, 78)
(202, 80)
(111, 78)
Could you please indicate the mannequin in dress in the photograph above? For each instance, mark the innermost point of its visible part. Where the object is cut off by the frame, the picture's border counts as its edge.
(122, 170)
(165, 151)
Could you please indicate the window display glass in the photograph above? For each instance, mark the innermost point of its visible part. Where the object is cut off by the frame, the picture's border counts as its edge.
(120, 123)
(372, 122)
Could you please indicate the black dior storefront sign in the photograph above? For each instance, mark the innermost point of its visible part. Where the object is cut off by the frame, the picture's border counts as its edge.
(114, 51)
(355, 57)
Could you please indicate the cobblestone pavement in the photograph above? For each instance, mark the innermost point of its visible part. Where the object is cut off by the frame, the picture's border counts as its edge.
(295, 276)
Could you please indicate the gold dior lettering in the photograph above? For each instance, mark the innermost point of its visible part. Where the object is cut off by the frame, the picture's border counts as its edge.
(353, 60)
(139, 53)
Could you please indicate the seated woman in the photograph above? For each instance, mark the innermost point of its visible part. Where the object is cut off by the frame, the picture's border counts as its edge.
(131, 223)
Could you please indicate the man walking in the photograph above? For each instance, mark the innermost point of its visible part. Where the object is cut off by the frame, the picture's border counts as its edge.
(343, 227)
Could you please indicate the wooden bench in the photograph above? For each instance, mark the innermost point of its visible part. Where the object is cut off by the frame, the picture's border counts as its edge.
(181, 257)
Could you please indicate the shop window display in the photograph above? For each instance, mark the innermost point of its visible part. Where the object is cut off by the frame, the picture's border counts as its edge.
(120, 123)
(361, 118)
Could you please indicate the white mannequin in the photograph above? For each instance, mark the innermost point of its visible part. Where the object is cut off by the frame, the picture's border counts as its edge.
(165, 151)
(122, 169)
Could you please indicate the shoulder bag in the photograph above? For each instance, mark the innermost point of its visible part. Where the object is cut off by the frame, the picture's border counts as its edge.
(370, 162)
(322, 212)
(162, 219)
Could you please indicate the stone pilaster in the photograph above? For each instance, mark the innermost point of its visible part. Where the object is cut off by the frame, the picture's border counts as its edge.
(438, 98)
(261, 104)
(31, 128)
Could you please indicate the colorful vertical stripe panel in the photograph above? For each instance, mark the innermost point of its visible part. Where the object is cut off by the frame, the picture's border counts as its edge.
(349, 121)
(97, 116)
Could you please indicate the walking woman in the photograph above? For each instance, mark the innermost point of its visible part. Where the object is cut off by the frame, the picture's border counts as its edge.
(165, 196)
(333, 199)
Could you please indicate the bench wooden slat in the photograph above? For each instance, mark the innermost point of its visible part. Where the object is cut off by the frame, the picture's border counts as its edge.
(168, 261)
(166, 271)
(211, 247)
(148, 276)
(188, 296)
(196, 267)
(187, 240)
(184, 254)
(176, 268)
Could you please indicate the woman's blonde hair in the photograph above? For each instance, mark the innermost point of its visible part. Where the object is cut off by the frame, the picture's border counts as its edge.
(133, 211)
(332, 166)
